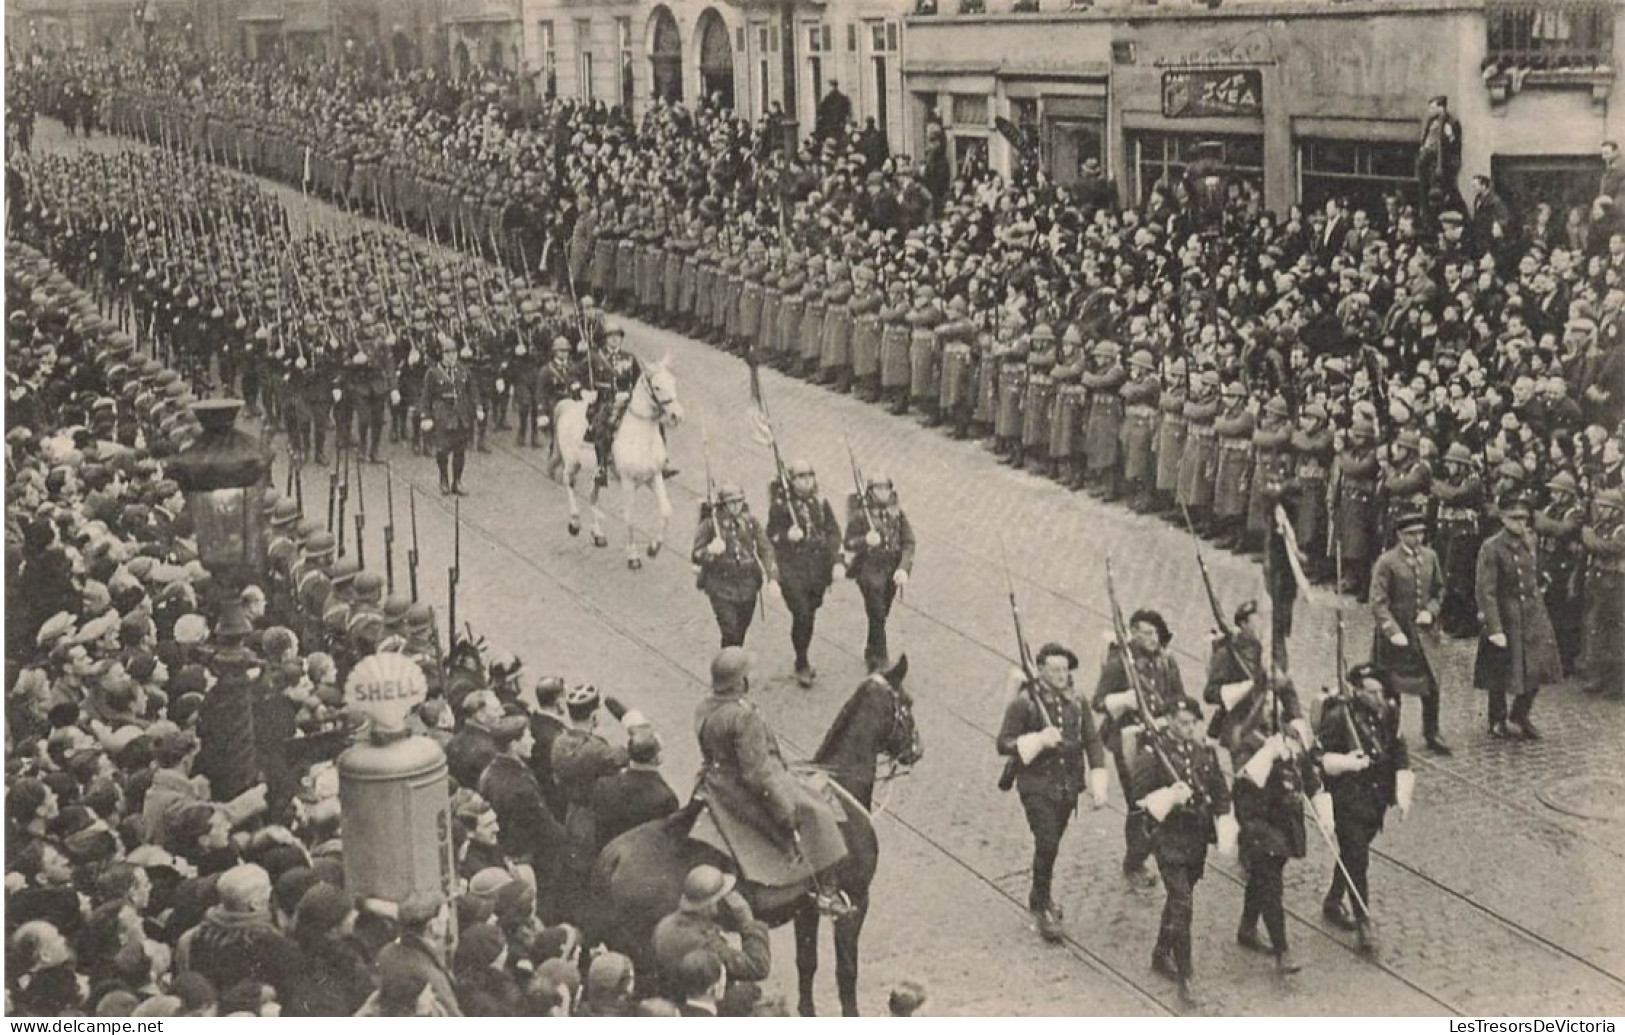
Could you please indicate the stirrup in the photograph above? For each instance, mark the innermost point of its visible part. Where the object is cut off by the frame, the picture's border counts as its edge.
(836, 905)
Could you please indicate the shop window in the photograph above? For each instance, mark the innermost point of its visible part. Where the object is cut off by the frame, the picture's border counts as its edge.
(970, 109)
(1359, 171)
(1165, 156)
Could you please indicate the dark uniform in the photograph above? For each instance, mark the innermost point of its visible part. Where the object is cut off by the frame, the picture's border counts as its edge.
(1604, 638)
(806, 540)
(1367, 766)
(1158, 677)
(1557, 530)
(733, 573)
(1049, 770)
(1459, 500)
(880, 542)
(449, 406)
(1181, 837)
(1270, 814)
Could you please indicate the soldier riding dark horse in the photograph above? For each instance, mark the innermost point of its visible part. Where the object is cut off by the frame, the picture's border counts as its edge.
(639, 876)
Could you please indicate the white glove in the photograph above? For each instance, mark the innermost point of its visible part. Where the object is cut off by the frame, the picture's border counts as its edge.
(1120, 703)
(338, 393)
(544, 422)
(621, 397)
(1404, 791)
(1258, 767)
(1232, 694)
(1337, 764)
(900, 577)
(1029, 746)
(795, 535)
(1097, 787)
(716, 548)
(1228, 829)
(1161, 802)
(1499, 639)
(501, 386)
(427, 425)
(1399, 639)
(395, 397)
(1424, 618)
(871, 539)
(1325, 812)
(520, 350)
(479, 413)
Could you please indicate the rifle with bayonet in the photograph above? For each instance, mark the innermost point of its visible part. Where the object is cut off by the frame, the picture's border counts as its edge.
(454, 573)
(389, 528)
(1012, 765)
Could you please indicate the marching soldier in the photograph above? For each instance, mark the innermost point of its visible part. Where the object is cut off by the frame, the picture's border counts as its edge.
(1158, 679)
(524, 376)
(1557, 536)
(1368, 770)
(1237, 678)
(736, 563)
(1275, 774)
(1459, 496)
(806, 540)
(450, 410)
(1049, 740)
(1180, 786)
(1407, 592)
(1517, 649)
(372, 385)
(1604, 644)
(880, 545)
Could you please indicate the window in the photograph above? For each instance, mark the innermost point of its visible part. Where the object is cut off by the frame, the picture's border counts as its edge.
(1158, 156)
(1549, 35)
(1357, 170)
(970, 109)
(764, 91)
(763, 36)
(891, 36)
(550, 59)
(623, 56)
(584, 59)
(815, 40)
(852, 37)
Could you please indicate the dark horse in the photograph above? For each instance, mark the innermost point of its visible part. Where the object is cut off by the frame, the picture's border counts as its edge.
(639, 876)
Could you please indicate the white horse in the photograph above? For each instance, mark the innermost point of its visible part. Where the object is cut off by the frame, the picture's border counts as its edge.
(639, 452)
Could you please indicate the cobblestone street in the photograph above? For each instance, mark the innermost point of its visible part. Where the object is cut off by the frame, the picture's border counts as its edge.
(1488, 900)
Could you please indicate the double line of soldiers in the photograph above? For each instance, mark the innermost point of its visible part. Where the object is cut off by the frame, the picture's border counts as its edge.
(320, 332)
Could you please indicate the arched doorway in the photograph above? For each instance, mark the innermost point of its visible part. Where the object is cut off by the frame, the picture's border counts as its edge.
(666, 55)
(459, 60)
(716, 59)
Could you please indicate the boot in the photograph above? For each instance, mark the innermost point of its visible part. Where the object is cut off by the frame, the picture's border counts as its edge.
(1285, 964)
(1247, 938)
(1334, 913)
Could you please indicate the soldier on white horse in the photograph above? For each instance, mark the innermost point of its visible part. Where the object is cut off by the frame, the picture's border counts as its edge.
(637, 447)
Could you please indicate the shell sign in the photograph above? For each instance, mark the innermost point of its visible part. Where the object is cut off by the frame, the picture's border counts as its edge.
(384, 688)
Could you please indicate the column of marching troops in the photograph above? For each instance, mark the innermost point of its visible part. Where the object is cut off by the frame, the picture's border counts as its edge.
(1191, 443)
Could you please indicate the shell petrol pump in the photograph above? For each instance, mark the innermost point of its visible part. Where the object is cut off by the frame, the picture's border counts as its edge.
(393, 792)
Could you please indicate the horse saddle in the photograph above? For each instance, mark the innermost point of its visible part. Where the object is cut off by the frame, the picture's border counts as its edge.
(732, 822)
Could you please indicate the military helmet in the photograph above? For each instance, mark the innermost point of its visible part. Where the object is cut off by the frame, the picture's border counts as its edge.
(730, 492)
(729, 668)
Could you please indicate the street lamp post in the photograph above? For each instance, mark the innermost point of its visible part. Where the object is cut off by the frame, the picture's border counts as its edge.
(223, 476)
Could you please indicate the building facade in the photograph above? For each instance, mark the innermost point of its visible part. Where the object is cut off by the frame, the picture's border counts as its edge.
(1307, 100)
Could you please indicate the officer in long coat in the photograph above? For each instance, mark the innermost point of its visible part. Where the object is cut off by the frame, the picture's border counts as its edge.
(806, 540)
(1052, 750)
(1103, 417)
(1353, 503)
(736, 563)
(1407, 594)
(1171, 434)
(1517, 649)
(1233, 427)
(1140, 395)
(880, 544)
(1200, 458)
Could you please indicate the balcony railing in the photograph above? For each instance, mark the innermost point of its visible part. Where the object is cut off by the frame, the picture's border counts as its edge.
(1539, 36)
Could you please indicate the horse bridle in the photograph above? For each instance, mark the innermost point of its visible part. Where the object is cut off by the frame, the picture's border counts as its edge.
(662, 406)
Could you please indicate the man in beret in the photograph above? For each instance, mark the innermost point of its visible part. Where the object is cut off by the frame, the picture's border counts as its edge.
(1049, 741)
